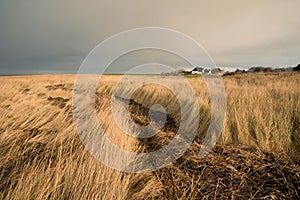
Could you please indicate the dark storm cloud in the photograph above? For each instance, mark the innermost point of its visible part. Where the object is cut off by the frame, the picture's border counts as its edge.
(55, 36)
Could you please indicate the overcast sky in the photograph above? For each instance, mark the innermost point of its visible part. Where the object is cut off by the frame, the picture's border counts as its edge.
(54, 36)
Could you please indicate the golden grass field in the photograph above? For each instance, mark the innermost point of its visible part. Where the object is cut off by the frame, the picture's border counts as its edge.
(257, 156)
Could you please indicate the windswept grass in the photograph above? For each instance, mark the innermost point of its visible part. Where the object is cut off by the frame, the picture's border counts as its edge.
(42, 156)
(263, 110)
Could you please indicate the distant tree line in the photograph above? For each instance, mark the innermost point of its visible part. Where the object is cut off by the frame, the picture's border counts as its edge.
(264, 69)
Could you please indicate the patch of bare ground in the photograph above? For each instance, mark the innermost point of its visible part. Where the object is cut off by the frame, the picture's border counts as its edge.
(228, 172)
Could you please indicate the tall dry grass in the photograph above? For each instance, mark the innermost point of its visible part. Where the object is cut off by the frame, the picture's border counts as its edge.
(263, 110)
(42, 156)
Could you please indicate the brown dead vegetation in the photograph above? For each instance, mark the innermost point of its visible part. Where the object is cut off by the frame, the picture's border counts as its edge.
(257, 156)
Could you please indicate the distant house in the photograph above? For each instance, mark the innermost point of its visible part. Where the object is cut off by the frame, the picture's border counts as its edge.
(197, 70)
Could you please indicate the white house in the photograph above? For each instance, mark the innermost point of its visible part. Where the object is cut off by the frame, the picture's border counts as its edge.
(196, 72)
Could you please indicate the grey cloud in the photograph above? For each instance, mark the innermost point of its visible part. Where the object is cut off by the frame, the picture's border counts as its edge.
(55, 36)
